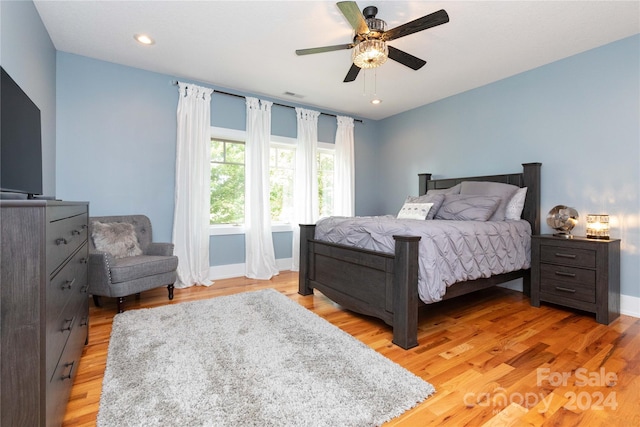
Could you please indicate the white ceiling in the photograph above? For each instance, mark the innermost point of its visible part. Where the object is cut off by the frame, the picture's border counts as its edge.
(249, 45)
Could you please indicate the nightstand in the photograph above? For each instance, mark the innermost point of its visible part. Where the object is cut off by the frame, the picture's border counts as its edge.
(579, 273)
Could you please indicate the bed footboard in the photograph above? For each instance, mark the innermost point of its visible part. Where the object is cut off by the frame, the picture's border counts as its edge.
(367, 282)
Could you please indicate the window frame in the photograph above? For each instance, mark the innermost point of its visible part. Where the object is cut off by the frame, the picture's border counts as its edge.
(241, 135)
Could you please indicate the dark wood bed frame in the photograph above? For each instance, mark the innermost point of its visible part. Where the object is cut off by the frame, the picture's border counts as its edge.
(385, 286)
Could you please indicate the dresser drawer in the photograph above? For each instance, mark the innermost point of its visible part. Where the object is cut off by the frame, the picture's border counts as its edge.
(75, 315)
(568, 256)
(64, 236)
(60, 382)
(55, 213)
(68, 284)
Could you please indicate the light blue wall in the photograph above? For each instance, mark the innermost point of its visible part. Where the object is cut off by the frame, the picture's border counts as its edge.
(116, 144)
(28, 55)
(579, 117)
(116, 139)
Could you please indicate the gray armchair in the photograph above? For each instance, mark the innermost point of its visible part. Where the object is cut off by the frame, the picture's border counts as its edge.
(119, 277)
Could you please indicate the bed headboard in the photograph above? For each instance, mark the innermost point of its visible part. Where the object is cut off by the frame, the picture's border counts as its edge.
(529, 177)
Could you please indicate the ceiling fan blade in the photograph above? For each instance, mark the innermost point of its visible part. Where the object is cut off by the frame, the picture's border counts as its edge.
(405, 59)
(351, 11)
(352, 74)
(324, 49)
(433, 19)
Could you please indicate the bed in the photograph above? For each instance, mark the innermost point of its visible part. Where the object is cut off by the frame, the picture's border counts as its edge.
(385, 285)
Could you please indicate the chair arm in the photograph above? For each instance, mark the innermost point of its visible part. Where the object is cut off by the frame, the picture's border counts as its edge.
(161, 249)
(99, 273)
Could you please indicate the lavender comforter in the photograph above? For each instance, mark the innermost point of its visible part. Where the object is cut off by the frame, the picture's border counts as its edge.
(449, 251)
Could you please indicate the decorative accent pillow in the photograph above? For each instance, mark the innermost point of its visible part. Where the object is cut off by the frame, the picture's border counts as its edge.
(516, 204)
(414, 210)
(435, 199)
(487, 188)
(467, 207)
(451, 190)
(117, 238)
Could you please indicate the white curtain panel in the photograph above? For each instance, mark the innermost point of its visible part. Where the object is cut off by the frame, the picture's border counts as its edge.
(305, 186)
(260, 260)
(192, 194)
(344, 175)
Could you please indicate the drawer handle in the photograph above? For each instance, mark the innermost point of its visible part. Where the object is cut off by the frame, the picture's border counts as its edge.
(70, 366)
(84, 289)
(560, 288)
(565, 274)
(84, 321)
(68, 284)
(69, 322)
(83, 260)
(75, 232)
(61, 241)
(561, 255)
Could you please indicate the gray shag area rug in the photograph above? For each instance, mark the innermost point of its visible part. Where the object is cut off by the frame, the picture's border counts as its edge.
(251, 359)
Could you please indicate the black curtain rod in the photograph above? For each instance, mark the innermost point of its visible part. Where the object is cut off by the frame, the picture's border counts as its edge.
(175, 83)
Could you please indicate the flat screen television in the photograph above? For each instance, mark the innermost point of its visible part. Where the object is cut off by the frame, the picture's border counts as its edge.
(20, 141)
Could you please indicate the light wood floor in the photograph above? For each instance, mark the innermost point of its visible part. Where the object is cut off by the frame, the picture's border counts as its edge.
(493, 359)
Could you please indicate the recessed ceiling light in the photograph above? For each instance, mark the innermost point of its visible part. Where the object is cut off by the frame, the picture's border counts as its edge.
(376, 101)
(144, 39)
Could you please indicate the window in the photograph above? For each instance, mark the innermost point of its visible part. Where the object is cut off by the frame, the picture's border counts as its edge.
(326, 158)
(228, 174)
(281, 173)
(227, 182)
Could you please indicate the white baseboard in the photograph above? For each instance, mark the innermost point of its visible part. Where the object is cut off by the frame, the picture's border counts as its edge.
(218, 272)
(630, 306)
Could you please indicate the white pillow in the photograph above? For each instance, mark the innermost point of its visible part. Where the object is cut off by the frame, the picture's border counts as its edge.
(414, 210)
(516, 204)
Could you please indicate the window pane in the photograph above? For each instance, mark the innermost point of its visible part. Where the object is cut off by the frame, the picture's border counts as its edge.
(227, 182)
(217, 151)
(235, 152)
(325, 182)
(281, 184)
(286, 158)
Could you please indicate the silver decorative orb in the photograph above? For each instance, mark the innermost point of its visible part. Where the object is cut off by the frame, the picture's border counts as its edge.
(562, 219)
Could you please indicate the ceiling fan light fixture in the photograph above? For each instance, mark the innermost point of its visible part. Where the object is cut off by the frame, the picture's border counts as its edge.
(370, 53)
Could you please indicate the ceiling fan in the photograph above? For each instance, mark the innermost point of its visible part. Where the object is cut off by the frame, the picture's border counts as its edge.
(371, 37)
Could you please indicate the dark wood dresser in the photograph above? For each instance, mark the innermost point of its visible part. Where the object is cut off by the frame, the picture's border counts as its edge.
(579, 273)
(44, 307)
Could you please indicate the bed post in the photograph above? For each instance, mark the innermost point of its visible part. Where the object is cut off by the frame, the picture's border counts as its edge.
(405, 292)
(307, 232)
(422, 183)
(531, 178)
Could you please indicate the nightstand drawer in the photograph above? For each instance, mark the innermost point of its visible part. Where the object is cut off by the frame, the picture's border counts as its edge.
(575, 291)
(569, 275)
(568, 256)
